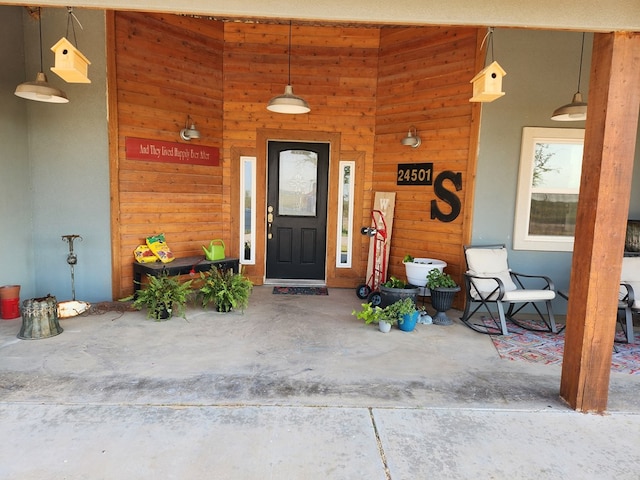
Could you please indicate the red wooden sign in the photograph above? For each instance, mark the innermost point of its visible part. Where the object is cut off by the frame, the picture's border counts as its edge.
(171, 152)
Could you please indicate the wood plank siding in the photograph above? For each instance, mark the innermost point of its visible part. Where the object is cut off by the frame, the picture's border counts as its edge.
(365, 86)
(166, 67)
(423, 81)
(335, 70)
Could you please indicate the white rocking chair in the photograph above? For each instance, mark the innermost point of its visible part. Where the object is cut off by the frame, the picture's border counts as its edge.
(489, 280)
(628, 301)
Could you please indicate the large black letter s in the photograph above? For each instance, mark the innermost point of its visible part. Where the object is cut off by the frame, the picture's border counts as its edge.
(447, 196)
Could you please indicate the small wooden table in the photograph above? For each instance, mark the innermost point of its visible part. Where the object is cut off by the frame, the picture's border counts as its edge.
(181, 266)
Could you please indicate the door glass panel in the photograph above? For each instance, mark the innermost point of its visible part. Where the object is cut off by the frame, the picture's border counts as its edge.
(297, 183)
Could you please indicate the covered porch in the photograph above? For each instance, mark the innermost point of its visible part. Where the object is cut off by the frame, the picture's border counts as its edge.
(295, 389)
(607, 128)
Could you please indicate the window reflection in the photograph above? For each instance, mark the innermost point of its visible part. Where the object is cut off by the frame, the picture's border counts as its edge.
(555, 184)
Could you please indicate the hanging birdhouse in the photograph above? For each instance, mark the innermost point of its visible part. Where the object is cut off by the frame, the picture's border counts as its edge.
(487, 85)
(70, 64)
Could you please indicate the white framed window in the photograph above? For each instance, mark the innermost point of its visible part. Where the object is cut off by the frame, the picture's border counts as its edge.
(345, 213)
(548, 188)
(247, 210)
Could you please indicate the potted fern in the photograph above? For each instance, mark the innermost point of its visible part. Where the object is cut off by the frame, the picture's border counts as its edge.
(443, 290)
(225, 289)
(163, 297)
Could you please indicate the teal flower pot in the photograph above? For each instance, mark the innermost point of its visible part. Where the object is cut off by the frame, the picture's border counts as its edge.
(409, 321)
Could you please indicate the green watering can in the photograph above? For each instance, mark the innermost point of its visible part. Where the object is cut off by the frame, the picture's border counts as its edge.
(215, 250)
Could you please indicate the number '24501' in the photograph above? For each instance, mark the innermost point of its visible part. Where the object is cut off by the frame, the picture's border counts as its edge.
(415, 174)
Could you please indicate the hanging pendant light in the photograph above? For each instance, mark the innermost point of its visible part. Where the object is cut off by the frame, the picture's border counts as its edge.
(288, 102)
(577, 109)
(40, 90)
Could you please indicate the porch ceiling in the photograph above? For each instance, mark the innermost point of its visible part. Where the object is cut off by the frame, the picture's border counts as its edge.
(619, 15)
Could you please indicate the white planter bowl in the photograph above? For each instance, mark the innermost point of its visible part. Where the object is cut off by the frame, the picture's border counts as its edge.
(384, 327)
(418, 270)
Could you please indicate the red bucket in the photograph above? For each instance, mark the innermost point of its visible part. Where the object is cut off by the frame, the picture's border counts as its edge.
(9, 308)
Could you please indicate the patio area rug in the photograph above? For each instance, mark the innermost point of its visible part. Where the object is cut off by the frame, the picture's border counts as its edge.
(547, 348)
(300, 291)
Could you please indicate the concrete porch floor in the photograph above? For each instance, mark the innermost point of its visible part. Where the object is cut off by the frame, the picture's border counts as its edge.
(294, 388)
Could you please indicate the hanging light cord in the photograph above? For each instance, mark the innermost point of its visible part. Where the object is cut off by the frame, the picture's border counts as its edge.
(580, 70)
(40, 28)
(289, 82)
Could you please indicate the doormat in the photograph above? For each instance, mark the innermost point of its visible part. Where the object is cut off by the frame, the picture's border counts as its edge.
(300, 291)
(548, 348)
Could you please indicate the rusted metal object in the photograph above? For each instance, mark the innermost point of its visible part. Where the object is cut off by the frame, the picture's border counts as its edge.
(40, 318)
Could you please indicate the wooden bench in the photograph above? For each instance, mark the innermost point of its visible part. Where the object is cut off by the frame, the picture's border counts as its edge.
(181, 266)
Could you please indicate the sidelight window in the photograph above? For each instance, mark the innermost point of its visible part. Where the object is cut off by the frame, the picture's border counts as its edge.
(247, 210)
(345, 213)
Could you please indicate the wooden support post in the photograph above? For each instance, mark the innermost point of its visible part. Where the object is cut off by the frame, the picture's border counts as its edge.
(607, 167)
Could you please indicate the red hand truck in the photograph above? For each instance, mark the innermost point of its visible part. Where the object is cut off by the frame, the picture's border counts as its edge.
(378, 229)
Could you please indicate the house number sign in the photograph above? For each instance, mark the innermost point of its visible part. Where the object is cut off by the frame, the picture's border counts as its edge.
(415, 174)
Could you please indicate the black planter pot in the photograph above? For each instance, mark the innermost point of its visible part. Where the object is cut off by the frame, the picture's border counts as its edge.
(389, 295)
(441, 300)
(163, 313)
(223, 308)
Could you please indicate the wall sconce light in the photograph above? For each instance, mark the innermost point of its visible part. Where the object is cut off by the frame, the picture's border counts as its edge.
(40, 90)
(412, 139)
(189, 131)
(577, 109)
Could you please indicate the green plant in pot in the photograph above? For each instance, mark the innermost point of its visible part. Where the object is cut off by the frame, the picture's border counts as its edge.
(375, 314)
(395, 289)
(225, 289)
(405, 313)
(416, 270)
(163, 297)
(443, 290)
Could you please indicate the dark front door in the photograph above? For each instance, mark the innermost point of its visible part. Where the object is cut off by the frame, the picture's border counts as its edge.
(297, 210)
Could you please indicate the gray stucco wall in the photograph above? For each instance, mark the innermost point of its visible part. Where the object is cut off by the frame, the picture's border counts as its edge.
(16, 245)
(542, 74)
(57, 157)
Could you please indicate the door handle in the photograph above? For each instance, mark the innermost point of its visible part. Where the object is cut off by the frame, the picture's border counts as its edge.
(269, 222)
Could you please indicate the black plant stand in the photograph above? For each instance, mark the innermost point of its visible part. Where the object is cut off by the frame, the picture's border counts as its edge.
(441, 300)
